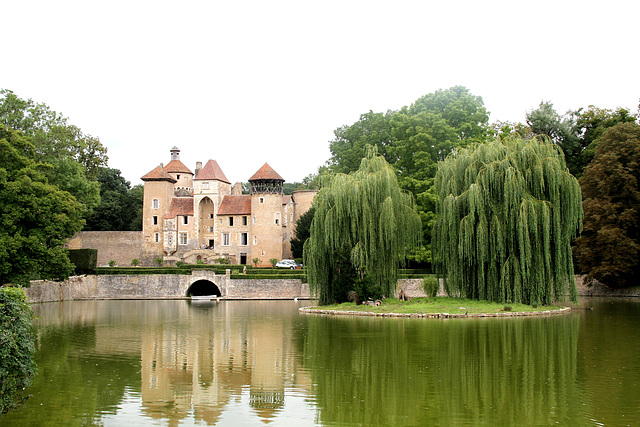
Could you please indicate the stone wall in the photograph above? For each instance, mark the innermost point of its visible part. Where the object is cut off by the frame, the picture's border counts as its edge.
(120, 246)
(161, 286)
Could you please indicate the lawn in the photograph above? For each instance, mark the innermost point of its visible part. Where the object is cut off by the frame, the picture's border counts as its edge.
(437, 305)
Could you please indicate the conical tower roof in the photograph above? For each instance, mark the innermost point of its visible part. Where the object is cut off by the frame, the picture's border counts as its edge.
(176, 166)
(266, 172)
(158, 174)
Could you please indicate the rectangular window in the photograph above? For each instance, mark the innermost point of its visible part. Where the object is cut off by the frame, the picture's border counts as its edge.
(254, 220)
(155, 220)
(210, 216)
(210, 229)
(255, 240)
(244, 239)
(205, 185)
(220, 221)
(261, 199)
(277, 218)
(225, 239)
(185, 220)
(155, 203)
(170, 239)
(244, 220)
(184, 238)
(156, 237)
(230, 221)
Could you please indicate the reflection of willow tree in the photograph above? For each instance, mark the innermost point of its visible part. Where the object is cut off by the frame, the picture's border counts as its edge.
(522, 371)
(507, 214)
(408, 372)
(72, 381)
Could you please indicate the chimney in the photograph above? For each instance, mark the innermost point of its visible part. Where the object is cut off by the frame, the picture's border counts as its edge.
(198, 168)
(175, 153)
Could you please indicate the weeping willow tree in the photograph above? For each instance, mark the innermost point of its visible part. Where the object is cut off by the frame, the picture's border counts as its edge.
(363, 228)
(506, 215)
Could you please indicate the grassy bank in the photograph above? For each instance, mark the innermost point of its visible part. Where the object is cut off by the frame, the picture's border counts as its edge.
(437, 305)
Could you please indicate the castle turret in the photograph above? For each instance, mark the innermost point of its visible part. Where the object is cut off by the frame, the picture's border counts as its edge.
(179, 172)
(158, 192)
(266, 187)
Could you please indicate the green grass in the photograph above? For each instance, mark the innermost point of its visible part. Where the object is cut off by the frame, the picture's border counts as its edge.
(437, 305)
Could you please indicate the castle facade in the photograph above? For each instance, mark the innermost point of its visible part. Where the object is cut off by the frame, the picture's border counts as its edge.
(201, 216)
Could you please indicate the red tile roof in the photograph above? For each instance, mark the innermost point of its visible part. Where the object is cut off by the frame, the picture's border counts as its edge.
(158, 174)
(267, 173)
(235, 205)
(182, 206)
(212, 171)
(286, 200)
(176, 166)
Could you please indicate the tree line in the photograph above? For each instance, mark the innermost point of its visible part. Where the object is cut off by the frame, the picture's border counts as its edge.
(598, 146)
(54, 182)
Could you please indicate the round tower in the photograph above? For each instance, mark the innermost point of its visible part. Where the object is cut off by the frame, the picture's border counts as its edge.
(266, 189)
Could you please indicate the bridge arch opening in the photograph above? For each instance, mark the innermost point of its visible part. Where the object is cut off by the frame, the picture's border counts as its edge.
(203, 287)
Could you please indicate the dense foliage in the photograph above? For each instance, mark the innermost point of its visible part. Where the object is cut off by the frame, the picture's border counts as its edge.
(74, 156)
(120, 207)
(36, 217)
(506, 215)
(609, 248)
(363, 228)
(17, 345)
(302, 232)
(413, 139)
(576, 132)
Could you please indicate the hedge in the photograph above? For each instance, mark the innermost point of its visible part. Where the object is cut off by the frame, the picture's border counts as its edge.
(17, 345)
(85, 260)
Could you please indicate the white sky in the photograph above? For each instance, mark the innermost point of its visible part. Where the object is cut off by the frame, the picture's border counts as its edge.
(244, 82)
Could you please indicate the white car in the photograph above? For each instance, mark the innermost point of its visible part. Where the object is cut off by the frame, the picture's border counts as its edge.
(287, 263)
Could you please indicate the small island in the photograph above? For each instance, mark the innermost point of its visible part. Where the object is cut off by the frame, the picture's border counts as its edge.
(435, 308)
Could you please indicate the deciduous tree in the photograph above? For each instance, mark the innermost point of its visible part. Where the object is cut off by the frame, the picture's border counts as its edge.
(363, 228)
(609, 247)
(74, 156)
(506, 215)
(36, 217)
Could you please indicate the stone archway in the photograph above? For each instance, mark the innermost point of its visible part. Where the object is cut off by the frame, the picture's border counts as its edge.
(203, 287)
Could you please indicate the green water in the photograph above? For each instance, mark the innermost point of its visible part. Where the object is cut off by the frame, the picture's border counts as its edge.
(261, 362)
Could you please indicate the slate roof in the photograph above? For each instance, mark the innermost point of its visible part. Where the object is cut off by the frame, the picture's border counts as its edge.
(266, 173)
(212, 171)
(176, 166)
(235, 205)
(158, 174)
(182, 206)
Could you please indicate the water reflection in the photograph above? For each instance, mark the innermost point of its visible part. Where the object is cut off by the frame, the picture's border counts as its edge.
(520, 371)
(260, 362)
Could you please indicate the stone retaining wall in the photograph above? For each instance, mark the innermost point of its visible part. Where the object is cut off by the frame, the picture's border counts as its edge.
(174, 286)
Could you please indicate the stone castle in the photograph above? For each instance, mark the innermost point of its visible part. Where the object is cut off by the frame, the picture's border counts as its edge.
(202, 216)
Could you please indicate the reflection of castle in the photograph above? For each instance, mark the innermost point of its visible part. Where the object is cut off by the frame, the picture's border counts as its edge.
(234, 350)
(183, 214)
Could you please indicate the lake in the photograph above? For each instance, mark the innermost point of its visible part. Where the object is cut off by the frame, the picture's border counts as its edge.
(261, 362)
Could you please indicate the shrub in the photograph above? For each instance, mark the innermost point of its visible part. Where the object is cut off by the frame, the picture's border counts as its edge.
(223, 261)
(85, 260)
(199, 262)
(273, 261)
(112, 263)
(158, 261)
(430, 286)
(17, 345)
(256, 261)
(135, 262)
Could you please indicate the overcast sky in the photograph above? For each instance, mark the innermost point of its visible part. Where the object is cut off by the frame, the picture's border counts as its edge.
(248, 82)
